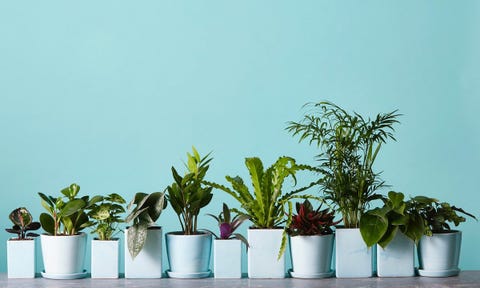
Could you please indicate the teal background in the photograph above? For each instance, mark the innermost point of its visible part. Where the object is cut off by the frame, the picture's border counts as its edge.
(111, 94)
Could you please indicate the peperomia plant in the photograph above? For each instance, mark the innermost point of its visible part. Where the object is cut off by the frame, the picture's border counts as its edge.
(349, 145)
(309, 221)
(22, 223)
(187, 194)
(106, 216)
(228, 225)
(437, 215)
(66, 214)
(381, 224)
(144, 209)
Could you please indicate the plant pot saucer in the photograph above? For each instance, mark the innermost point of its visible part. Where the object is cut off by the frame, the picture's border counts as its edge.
(312, 276)
(64, 276)
(172, 274)
(440, 273)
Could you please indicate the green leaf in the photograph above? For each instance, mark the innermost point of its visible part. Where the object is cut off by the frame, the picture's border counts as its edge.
(372, 228)
(48, 224)
(136, 238)
(72, 207)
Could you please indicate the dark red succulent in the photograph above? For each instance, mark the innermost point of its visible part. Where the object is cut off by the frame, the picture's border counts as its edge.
(308, 221)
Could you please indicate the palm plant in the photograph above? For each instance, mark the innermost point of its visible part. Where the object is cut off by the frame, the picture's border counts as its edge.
(349, 145)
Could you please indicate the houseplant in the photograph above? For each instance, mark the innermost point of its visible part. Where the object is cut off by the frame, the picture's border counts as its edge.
(349, 145)
(143, 245)
(227, 249)
(265, 207)
(395, 228)
(21, 250)
(188, 250)
(63, 244)
(311, 240)
(439, 248)
(105, 216)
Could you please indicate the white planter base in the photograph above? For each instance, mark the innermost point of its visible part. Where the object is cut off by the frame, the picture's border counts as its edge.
(439, 254)
(63, 256)
(21, 258)
(353, 259)
(189, 255)
(227, 258)
(311, 256)
(104, 259)
(263, 259)
(148, 263)
(397, 259)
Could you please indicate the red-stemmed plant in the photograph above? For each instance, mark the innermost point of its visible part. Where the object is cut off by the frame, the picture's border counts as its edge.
(308, 221)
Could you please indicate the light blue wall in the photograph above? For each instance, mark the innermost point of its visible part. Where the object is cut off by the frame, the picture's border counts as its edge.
(110, 94)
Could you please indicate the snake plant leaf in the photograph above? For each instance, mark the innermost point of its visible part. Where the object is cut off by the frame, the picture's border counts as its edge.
(137, 235)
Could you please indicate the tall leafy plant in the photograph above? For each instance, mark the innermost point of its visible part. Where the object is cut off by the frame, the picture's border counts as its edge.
(265, 203)
(66, 214)
(349, 145)
(188, 195)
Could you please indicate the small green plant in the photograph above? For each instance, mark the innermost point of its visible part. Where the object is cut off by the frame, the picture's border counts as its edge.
(22, 223)
(145, 209)
(106, 216)
(309, 221)
(228, 225)
(437, 215)
(187, 194)
(66, 214)
(349, 145)
(265, 204)
(380, 225)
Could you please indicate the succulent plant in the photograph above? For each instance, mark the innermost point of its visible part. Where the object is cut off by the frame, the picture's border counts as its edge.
(22, 223)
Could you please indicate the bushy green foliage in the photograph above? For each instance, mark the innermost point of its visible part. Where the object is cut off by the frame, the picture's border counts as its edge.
(106, 216)
(188, 195)
(349, 145)
(66, 214)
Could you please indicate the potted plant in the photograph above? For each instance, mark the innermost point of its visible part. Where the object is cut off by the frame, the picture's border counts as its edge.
(21, 250)
(105, 216)
(143, 245)
(265, 207)
(189, 250)
(63, 244)
(349, 144)
(311, 240)
(227, 246)
(439, 248)
(395, 228)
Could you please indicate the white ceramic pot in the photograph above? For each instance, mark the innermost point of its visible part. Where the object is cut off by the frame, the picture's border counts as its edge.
(227, 258)
(21, 258)
(311, 256)
(397, 259)
(263, 252)
(438, 255)
(353, 259)
(104, 258)
(63, 255)
(189, 255)
(148, 263)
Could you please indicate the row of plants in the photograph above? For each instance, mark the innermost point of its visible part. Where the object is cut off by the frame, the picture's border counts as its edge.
(349, 145)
